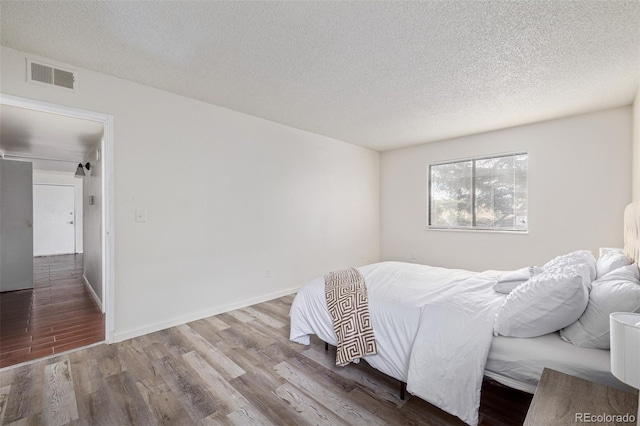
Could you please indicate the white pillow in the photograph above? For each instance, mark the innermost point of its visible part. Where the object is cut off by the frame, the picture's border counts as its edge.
(567, 262)
(610, 261)
(617, 291)
(510, 280)
(546, 303)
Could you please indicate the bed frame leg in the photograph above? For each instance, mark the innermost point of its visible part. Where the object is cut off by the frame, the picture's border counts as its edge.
(403, 388)
(326, 346)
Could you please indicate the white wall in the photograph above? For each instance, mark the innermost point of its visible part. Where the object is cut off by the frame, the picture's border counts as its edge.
(92, 260)
(61, 178)
(579, 184)
(227, 195)
(636, 147)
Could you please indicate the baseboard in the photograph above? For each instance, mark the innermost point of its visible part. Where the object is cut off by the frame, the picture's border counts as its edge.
(130, 334)
(93, 294)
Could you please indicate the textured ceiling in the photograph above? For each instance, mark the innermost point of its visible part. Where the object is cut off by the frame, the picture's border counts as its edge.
(377, 74)
(28, 133)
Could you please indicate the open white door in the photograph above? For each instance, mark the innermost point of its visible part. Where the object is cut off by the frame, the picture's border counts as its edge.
(16, 232)
(53, 220)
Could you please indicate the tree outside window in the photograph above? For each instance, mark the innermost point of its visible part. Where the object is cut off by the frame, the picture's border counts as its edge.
(486, 193)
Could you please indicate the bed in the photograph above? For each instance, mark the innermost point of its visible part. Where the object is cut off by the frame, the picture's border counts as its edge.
(435, 330)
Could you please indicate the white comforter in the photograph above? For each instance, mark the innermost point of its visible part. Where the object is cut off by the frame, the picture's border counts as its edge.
(433, 328)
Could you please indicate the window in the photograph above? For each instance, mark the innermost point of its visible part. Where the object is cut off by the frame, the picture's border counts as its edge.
(487, 193)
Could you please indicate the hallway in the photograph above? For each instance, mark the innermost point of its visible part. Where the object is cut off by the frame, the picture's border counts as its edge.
(59, 314)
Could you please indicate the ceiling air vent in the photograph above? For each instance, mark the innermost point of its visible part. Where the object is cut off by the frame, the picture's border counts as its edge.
(40, 73)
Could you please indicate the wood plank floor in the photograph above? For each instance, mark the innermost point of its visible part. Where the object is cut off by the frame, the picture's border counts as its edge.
(57, 315)
(237, 368)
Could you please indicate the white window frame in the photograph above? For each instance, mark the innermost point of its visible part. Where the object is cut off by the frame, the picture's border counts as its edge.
(473, 202)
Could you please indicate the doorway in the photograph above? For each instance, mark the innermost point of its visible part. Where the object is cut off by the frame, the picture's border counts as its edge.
(56, 245)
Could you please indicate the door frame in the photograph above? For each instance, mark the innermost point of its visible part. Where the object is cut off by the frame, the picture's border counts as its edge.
(108, 216)
(75, 218)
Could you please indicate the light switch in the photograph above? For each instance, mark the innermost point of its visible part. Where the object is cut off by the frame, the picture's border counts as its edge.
(141, 215)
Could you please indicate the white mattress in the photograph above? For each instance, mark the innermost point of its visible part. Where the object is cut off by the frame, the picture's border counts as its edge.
(433, 328)
(397, 294)
(518, 363)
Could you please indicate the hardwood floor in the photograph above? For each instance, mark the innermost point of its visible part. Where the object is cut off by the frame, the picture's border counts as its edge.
(57, 315)
(237, 368)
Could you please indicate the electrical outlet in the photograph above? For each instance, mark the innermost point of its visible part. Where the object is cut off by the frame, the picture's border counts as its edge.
(413, 256)
(141, 215)
(268, 273)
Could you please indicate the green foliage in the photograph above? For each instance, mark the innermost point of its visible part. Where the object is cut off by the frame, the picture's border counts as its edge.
(497, 185)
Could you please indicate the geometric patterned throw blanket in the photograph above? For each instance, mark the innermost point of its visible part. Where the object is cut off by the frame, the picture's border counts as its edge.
(348, 305)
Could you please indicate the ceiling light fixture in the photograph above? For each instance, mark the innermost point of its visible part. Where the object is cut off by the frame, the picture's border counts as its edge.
(80, 169)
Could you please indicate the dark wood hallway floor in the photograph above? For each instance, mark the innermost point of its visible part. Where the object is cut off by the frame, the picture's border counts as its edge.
(57, 315)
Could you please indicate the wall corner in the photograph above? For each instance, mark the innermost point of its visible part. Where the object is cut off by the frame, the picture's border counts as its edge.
(635, 183)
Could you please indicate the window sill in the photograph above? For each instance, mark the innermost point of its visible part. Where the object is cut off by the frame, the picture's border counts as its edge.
(478, 231)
